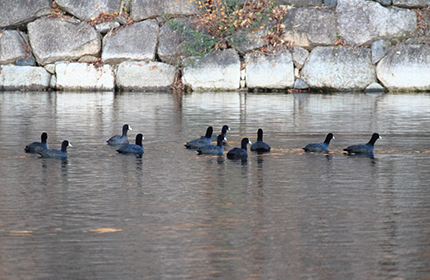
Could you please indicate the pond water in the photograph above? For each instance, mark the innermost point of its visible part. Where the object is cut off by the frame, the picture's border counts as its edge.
(175, 215)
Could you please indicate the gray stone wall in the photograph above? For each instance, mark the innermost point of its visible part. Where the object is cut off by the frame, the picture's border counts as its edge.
(334, 45)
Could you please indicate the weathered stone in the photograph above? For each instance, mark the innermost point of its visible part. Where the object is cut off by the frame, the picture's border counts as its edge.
(247, 41)
(87, 59)
(405, 67)
(144, 9)
(28, 61)
(339, 68)
(132, 75)
(23, 77)
(379, 50)
(104, 28)
(310, 27)
(251, 41)
(83, 76)
(219, 70)
(85, 10)
(12, 46)
(17, 12)
(331, 3)
(136, 42)
(50, 68)
(384, 2)
(300, 84)
(57, 39)
(299, 57)
(374, 87)
(361, 22)
(301, 3)
(53, 82)
(176, 42)
(422, 31)
(269, 71)
(412, 3)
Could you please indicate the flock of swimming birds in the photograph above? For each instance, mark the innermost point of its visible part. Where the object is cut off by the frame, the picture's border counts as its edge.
(202, 145)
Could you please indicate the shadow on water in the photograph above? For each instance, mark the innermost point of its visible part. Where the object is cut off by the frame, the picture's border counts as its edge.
(260, 170)
(368, 156)
(53, 167)
(285, 214)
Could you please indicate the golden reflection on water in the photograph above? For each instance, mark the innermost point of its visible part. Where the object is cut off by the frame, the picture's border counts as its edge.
(21, 232)
(98, 230)
(104, 230)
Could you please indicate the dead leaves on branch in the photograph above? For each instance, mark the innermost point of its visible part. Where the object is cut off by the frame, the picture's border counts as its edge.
(273, 39)
(340, 42)
(104, 17)
(56, 12)
(223, 20)
(178, 86)
(423, 18)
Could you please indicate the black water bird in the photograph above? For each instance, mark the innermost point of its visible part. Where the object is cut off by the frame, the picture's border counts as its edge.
(239, 153)
(364, 149)
(58, 154)
(260, 146)
(36, 147)
(216, 150)
(135, 149)
(319, 147)
(224, 130)
(120, 139)
(202, 141)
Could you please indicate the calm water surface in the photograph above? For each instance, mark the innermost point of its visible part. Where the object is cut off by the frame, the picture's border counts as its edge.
(175, 215)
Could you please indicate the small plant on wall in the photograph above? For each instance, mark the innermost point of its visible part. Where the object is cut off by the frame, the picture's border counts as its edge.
(221, 24)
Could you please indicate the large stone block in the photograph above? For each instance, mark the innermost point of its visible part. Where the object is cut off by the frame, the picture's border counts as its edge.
(133, 75)
(57, 39)
(14, 13)
(136, 42)
(412, 3)
(310, 27)
(339, 68)
(144, 9)
(23, 77)
(219, 70)
(84, 76)
(361, 22)
(269, 71)
(301, 3)
(85, 10)
(405, 67)
(12, 46)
